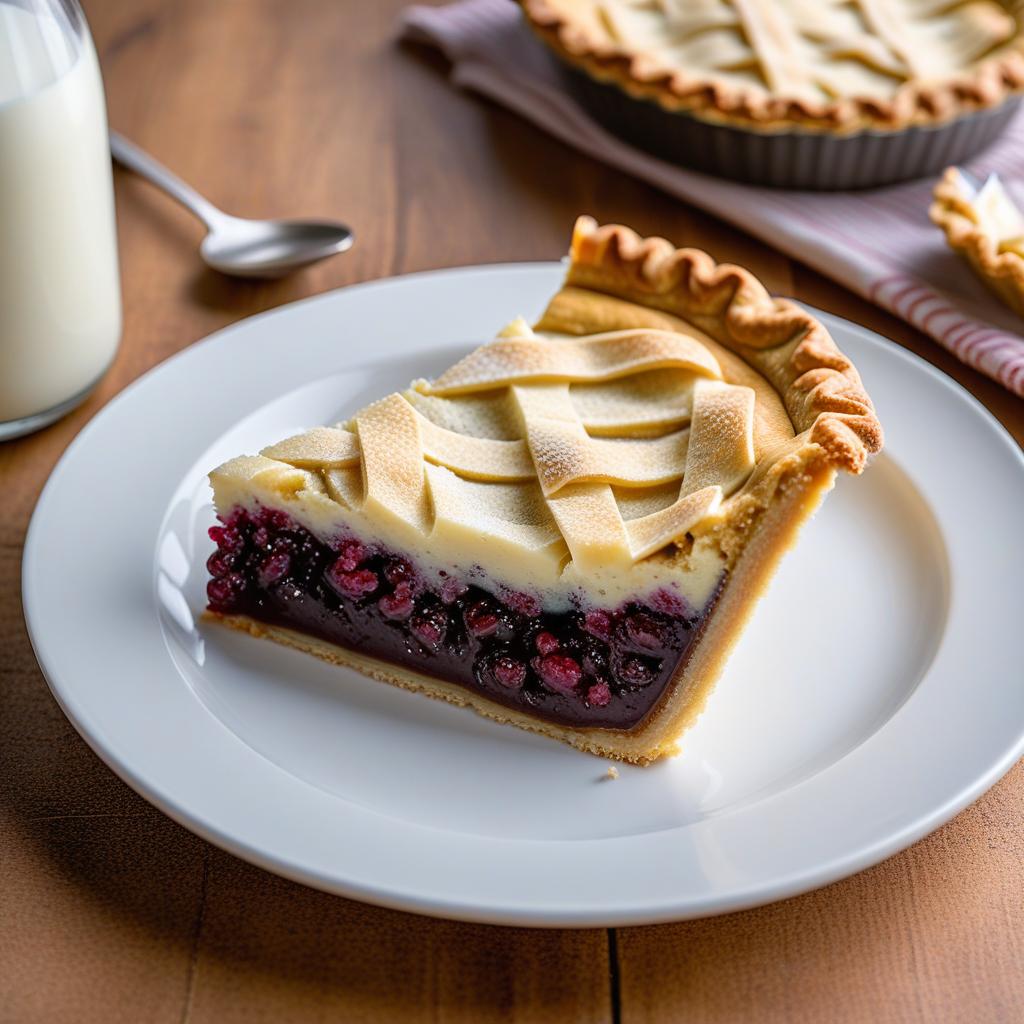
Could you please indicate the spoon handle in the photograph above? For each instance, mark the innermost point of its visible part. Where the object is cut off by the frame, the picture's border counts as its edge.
(135, 159)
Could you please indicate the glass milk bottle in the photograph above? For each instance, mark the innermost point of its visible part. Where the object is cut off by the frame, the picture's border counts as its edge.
(60, 302)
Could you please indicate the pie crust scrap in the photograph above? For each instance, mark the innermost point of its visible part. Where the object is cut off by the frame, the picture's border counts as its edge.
(824, 65)
(984, 225)
(567, 529)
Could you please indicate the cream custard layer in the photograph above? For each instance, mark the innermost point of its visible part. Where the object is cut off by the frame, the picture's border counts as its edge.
(690, 573)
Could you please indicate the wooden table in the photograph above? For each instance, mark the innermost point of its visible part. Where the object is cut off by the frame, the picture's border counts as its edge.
(109, 911)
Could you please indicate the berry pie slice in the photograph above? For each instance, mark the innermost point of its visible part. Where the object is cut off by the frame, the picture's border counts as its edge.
(567, 529)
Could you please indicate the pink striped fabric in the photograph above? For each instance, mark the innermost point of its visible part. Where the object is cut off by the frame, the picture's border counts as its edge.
(878, 243)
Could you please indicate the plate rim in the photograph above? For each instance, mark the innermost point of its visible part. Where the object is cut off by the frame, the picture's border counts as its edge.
(757, 894)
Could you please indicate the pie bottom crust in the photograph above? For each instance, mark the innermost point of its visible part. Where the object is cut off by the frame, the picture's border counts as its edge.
(775, 524)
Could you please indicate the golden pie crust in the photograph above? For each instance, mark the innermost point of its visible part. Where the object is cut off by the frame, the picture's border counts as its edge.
(984, 227)
(815, 65)
(666, 419)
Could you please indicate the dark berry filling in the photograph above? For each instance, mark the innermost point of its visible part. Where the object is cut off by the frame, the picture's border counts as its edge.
(582, 667)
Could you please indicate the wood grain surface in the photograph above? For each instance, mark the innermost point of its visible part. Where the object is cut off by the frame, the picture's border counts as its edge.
(109, 912)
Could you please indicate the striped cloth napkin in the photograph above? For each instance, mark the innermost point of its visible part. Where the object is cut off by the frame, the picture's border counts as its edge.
(879, 243)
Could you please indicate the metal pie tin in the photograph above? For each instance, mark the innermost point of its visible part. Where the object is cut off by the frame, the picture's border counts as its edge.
(788, 159)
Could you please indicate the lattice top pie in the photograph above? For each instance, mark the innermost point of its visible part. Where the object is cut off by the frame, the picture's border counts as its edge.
(985, 226)
(821, 64)
(576, 504)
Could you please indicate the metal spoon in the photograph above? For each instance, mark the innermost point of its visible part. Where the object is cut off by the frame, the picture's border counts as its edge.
(234, 245)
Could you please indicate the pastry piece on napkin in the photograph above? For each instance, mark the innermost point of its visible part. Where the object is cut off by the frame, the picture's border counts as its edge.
(984, 225)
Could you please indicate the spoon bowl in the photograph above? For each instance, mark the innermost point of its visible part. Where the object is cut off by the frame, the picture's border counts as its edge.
(271, 248)
(235, 245)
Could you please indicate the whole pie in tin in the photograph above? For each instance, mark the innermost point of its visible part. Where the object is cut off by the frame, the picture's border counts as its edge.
(805, 93)
(567, 529)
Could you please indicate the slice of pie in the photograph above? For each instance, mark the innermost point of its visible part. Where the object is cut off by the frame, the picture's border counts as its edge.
(984, 225)
(568, 528)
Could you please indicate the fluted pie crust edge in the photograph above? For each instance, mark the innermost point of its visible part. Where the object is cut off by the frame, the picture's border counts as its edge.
(820, 388)
(915, 103)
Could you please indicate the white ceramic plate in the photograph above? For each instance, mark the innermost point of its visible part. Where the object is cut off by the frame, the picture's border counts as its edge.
(876, 693)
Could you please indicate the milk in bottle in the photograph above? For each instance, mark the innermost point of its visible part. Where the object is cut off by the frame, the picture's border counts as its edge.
(60, 305)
